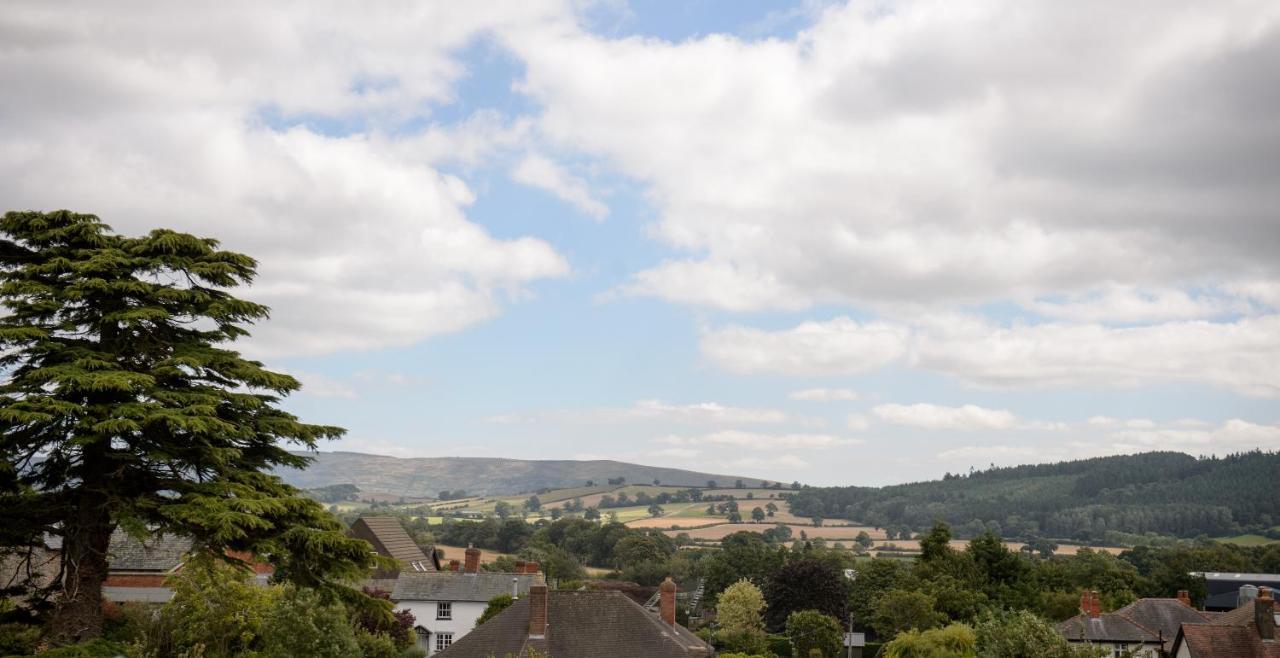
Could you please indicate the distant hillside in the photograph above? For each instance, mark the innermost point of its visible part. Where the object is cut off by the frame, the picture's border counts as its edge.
(427, 476)
(1093, 499)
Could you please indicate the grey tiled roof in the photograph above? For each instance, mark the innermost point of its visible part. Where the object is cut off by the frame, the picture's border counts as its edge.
(162, 553)
(581, 624)
(1108, 627)
(458, 586)
(1162, 616)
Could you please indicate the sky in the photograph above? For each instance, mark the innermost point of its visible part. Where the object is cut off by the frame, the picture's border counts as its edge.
(857, 243)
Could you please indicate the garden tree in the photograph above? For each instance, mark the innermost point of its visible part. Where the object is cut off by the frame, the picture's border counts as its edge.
(1016, 634)
(302, 624)
(811, 631)
(637, 548)
(935, 546)
(957, 600)
(757, 515)
(955, 641)
(214, 605)
(900, 610)
(738, 613)
(123, 405)
(806, 584)
(742, 555)
(496, 604)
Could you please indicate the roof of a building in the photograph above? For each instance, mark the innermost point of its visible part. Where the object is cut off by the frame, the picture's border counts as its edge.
(161, 553)
(459, 586)
(1219, 641)
(1107, 627)
(390, 539)
(121, 594)
(1241, 577)
(580, 624)
(1145, 620)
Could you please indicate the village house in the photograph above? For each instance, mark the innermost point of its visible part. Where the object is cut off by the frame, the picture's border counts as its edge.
(1145, 628)
(583, 624)
(1249, 631)
(447, 604)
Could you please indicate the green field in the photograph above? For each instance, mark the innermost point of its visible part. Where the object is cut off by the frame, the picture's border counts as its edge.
(1249, 540)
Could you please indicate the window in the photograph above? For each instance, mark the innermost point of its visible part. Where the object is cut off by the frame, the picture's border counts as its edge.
(444, 611)
(443, 640)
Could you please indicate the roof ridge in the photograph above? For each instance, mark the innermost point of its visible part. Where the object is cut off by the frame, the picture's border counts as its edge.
(670, 633)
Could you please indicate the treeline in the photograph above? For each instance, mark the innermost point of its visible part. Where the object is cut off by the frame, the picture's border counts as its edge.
(1165, 493)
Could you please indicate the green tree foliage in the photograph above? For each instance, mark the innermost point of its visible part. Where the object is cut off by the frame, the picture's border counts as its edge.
(1018, 634)
(757, 515)
(954, 641)
(215, 606)
(898, 610)
(740, 607)
(496, 604)
(302, 624)
(811, 631)
(806, 583)
(741, 555)
(122, 404)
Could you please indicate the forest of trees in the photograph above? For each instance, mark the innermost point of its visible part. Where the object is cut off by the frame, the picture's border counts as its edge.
(1166, 493)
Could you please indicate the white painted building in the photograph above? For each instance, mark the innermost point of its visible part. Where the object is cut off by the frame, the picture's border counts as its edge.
(446, 604)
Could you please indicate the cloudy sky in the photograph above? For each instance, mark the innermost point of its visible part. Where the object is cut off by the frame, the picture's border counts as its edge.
(841, 243)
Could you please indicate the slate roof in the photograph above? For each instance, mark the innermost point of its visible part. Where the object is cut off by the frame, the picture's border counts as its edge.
(1145, 620)
(458, 585)
(389, 538)
(1218, 641)
(161, 554)
(581, 624)
(1108, 627)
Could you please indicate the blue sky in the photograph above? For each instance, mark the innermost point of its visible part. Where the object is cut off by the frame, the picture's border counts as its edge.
(837, 243)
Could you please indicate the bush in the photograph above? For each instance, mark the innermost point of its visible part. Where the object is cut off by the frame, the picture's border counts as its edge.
(98, 648)
(18, 639)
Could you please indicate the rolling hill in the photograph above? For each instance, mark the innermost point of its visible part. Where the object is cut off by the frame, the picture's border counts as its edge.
(1167, 493)
(427, 476)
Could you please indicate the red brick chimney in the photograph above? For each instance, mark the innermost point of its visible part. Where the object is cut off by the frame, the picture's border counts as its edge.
(455, 565)
(667, 601)
(473, 559)
(519, 566)
(531, 567)
(1264, 611)
(1184, 597)
(538, 611)
(1086, 603)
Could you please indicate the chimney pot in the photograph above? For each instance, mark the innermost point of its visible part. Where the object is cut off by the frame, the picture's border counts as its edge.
(531, 567)
(1264, 611)
(538, 611)
(667, 601)
(1095, 607)
(455, 565)
(1184, 597)
(472, 564)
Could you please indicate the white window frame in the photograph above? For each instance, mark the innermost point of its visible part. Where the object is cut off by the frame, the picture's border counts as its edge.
(444, 610)
(443, 640)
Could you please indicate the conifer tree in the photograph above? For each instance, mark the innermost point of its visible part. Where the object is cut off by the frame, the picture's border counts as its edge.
(122, 405)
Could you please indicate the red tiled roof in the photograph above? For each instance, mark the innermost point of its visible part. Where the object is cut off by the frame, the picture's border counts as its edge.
(1217, 641)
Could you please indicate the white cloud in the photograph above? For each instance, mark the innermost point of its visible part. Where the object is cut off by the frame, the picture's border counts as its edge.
(857, 422)
(538, 171)
(781, 461)
(756, 441)
(322, 386)
(700, 413)
(1235, 355)
(999, 454)
(825, 395)
(196, 117)
(934, 417)
(899, 154)
(839, 346)
(1128, 304)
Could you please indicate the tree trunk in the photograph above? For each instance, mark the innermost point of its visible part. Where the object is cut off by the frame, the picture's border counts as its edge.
(84, 554)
